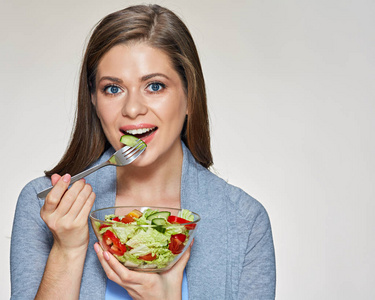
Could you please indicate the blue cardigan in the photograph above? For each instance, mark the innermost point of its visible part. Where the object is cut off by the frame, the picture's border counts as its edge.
(232, 256)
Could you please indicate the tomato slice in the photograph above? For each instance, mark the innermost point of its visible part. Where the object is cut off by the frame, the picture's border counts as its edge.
(180, 236)
(103, 226)
(113, 243)
(117, 219)
(178, 220)
(176, 244)
(115, 250)
(148, 257)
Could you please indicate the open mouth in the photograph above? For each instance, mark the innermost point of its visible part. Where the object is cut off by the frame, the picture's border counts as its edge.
(140, 132)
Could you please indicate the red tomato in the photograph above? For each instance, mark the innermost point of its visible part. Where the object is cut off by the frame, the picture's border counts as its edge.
(104, 226)
(113, 243)
(148, 257)
(176, 244)
(127, 219)
(117, 219)
(178, 220)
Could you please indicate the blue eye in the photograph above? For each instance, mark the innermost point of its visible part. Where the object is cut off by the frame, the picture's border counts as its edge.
(155, 87)
(112, 89)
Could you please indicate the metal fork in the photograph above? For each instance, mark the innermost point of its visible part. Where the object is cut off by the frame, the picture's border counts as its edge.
(122, 157)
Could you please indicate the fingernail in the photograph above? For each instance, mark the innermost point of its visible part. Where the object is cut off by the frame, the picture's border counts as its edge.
(66, 178)
(96, 248)
(105, 254)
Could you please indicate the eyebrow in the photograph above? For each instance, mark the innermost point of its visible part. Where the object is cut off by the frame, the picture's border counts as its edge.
(143, 78)
(149, 76)
(114, 79)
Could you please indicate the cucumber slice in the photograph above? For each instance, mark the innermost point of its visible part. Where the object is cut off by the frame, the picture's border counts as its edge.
(159, 214)
(160, 222)
(131, 141)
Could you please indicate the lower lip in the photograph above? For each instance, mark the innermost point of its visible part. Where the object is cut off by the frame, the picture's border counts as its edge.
(148, 139)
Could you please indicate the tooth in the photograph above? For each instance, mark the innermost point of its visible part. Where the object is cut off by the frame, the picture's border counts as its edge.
(139, 130)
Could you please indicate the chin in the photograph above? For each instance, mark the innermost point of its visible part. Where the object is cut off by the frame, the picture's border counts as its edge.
(142, 161)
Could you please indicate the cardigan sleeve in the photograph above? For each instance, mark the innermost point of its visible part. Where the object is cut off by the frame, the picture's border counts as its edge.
(258, 276)
(31, 243)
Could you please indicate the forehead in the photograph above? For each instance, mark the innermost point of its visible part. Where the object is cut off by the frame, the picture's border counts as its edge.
(136, 59)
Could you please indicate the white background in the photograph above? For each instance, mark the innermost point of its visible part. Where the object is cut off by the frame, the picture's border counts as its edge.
(291, 97)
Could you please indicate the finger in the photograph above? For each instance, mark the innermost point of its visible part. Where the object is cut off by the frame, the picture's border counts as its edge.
(83, 204)
(123, 274)
(54, 196)
(111, 274)
(55, 178)
(86, 209)
(70, 197)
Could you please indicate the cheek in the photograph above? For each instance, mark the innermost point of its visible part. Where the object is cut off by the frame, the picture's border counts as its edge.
(104, 112)
(176, 119)
(183, 110)
(96, 106)
(174, 114)
(99, 113)
(176, 108)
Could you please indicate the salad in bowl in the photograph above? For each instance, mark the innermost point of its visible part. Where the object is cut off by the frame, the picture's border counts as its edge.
(148, 239)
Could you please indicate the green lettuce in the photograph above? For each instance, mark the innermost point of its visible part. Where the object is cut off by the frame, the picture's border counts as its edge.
(174, 229)
(109, 217)
(127, 257)
(150, 238)
(164, 257)
(140, 250)
(186, 214)
(124, 231)
(143, 219)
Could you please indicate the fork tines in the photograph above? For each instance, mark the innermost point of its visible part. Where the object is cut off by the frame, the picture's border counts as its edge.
(133, 150)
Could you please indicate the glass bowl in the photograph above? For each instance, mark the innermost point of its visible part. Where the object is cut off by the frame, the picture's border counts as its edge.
(145, 238)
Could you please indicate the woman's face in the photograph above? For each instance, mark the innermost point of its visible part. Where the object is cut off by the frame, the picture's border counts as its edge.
(139, 92)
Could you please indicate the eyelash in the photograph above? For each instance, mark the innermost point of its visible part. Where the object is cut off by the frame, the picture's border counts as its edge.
(163, 86)
(104, 90)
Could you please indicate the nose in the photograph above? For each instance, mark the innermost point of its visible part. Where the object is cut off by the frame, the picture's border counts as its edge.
(133, 105)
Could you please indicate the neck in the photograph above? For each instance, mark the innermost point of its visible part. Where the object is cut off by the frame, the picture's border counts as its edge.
(158, 184)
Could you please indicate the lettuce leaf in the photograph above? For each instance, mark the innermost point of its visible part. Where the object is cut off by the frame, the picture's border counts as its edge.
(174, 229)
(124, 231)
(186, 214)
(150, 238)
(140, 251)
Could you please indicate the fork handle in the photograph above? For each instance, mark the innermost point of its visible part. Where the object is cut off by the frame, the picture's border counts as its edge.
(75, 178)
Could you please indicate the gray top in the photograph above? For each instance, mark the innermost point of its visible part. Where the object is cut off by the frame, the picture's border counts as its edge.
(232, 256)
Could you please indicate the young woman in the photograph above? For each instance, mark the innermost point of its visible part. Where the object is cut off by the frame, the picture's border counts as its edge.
(140, 75)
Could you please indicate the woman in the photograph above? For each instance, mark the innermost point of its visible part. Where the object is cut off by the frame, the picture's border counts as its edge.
(140, 75)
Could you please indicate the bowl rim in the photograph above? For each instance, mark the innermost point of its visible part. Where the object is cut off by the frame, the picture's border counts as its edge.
(146, 207)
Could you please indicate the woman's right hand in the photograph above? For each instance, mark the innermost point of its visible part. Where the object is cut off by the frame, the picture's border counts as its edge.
(166, 285)
(66, 211)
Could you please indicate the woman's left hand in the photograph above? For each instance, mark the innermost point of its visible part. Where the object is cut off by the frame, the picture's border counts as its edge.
(140, 285)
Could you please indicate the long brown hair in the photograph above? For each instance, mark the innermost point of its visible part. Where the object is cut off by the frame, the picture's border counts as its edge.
(159, 28)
